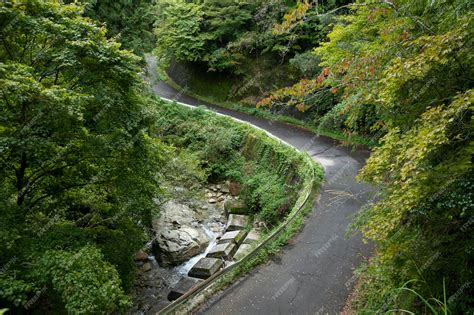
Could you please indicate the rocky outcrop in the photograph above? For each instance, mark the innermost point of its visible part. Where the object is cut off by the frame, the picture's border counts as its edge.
(177, 235)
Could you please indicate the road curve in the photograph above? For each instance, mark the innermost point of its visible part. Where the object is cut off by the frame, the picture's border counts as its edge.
(314, 273)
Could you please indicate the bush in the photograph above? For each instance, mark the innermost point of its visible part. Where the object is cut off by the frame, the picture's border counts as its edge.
(85, 282)
(266, 194)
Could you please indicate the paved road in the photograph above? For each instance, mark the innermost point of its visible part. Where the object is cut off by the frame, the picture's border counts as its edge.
(314, 273)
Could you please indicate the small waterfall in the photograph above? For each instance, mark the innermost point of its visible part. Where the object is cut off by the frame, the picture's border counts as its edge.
(183, 269)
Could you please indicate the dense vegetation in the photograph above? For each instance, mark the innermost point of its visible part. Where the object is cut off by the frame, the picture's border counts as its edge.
(85, 151)
(397, 73)
(271, 174)
(128, 21)
(406, 71)
(78, 169)
(232, 51)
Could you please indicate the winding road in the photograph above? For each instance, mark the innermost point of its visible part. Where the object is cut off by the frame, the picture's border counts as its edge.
(313, 274)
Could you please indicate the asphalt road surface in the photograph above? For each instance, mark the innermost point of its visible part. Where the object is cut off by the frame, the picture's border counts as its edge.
(314, 273)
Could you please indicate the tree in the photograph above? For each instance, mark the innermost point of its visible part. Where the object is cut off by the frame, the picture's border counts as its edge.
(78, 169)
(201, 30)
(130, 22)
(413, 62)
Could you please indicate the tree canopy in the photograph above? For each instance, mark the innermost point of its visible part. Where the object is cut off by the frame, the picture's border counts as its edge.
(401, 73)
(78, 169)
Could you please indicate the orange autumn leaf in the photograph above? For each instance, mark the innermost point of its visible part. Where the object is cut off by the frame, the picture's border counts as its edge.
(320, 78)
(326, 71)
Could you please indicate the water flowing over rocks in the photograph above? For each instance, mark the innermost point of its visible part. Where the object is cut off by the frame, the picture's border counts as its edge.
(185, 230)
(194, 237)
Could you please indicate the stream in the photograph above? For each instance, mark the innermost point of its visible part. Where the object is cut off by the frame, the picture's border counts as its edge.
(183, 269)
(153, 283)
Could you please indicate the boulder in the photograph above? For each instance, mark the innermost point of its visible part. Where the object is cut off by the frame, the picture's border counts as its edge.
(205, 267)
(225, 188)
(177, 246)
(236, 237)
(175, 243)
(173, 211)
(184, 285)
(237, 222)
(224, 250)
(232, 206)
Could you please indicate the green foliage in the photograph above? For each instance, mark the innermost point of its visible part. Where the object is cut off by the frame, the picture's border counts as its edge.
(200, 30)
(129, 21)
(266, 194)
(78, 167)
(307, 63)
(177, 30)
(270, 173)
(213, 140)
(225, 34)
(86, 282)
(404, 69)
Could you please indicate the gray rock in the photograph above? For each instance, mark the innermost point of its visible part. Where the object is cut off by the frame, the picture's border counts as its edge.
(243, 250)
(223, 250)
(212, 200)
(236, 237)
(175, 243)
(205, 267)
(176, 246)
(237, 222)
(225, 189)
(184, 285)
(173, 211)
